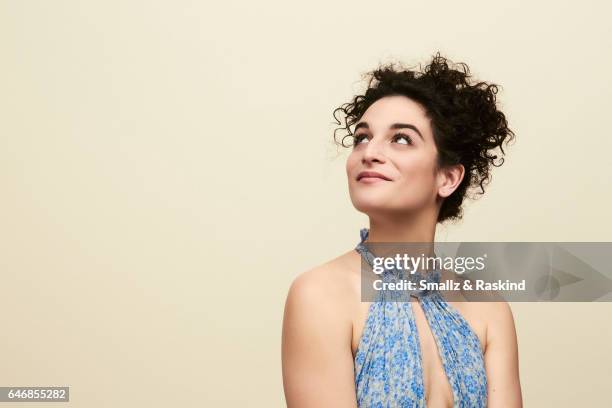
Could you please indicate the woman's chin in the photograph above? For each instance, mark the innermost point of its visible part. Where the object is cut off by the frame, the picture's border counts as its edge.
(372, 206)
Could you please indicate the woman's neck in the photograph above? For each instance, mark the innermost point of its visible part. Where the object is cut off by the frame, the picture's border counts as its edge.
(402, 229)
(405, 236)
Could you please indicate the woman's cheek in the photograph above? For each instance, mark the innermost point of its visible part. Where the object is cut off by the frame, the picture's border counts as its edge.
(415, 190)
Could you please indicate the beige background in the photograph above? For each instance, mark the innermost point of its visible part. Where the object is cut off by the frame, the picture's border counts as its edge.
(167, 170)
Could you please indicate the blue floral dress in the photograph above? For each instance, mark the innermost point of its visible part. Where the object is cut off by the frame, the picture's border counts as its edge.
(388, 366)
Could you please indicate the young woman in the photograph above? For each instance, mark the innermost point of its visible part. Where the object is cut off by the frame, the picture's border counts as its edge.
(421, 141)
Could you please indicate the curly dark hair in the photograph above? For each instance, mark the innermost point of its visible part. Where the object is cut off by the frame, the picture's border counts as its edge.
(467, 125)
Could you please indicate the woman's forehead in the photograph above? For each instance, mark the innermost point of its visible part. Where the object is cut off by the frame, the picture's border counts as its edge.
(392, 109)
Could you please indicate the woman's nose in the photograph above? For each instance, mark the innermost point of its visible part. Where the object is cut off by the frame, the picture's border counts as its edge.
(373, 152)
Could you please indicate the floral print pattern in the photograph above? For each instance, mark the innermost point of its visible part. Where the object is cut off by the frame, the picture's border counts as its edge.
(388, 365)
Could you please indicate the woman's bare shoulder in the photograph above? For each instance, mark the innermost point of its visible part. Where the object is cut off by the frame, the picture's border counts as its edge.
(500, 319)
(319, 305)
(329, 280)
(497, 319)
(316, 335)
(331, 286)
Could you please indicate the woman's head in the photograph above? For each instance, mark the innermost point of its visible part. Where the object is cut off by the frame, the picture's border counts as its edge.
(430, 134)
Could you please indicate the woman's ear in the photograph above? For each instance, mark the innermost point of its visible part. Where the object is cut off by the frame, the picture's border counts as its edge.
(449, 179)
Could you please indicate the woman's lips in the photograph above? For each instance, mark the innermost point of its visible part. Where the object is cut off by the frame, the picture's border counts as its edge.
(371, 177)
(370, 180)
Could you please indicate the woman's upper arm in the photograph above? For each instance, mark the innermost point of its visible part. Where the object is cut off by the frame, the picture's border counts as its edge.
(501, 359)
(317, 360)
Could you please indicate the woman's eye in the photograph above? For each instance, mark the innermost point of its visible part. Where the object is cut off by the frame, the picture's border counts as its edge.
(358, 138)
(400, 136)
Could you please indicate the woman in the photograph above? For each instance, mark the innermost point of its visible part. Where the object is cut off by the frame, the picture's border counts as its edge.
(421, 140)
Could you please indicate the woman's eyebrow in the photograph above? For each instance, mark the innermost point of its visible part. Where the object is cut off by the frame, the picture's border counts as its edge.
(393, 126)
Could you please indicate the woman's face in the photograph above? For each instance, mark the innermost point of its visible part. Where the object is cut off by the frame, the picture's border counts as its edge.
(394, 139)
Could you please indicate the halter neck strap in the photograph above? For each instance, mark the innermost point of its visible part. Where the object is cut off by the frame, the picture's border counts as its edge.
(392, 274)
